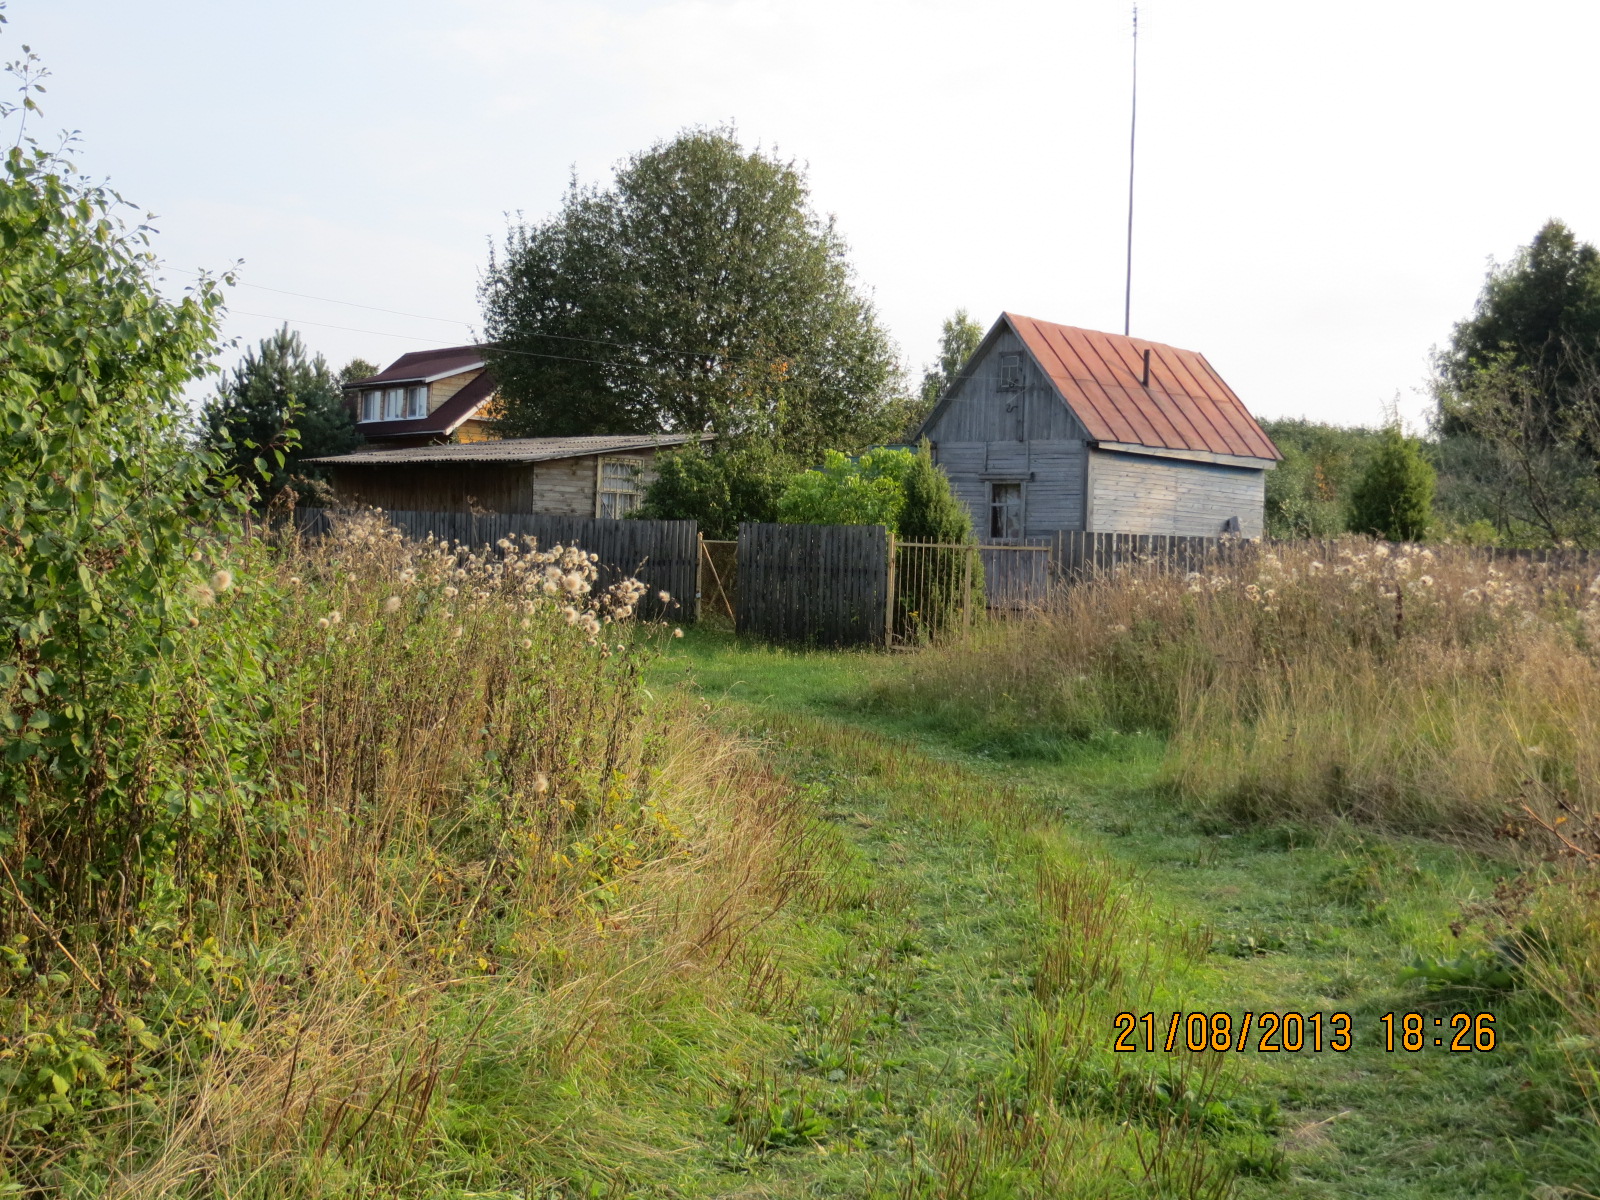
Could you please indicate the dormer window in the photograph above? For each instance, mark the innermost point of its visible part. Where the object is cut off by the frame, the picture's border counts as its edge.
(1011, 372)
(395, 404)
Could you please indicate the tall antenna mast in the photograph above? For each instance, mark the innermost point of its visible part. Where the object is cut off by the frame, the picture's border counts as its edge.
(1133, 130)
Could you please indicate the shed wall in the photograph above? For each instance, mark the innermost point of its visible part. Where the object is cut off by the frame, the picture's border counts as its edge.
(984, 435)
(565, 485)
(1133, 493)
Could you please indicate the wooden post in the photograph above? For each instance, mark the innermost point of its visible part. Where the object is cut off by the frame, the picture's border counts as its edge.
(888, 608)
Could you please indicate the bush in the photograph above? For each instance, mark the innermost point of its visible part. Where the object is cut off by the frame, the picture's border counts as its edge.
(137, 675)
(868, 490)
(1394, 498)
(719, 489)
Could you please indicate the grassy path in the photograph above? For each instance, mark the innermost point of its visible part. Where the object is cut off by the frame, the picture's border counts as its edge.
(947, 1025)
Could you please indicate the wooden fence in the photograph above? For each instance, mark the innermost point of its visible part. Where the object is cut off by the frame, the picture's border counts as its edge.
(822, 584)
(663, 554)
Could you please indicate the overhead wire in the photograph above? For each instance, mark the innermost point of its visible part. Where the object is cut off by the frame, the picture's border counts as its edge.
(564, 337)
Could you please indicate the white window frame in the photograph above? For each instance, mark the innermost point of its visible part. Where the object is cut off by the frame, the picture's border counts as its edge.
(371, 405)
(394, 403)
(416, 402)
(611, 500)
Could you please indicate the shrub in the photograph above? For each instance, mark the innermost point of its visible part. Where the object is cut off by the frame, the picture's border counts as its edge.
(869, 490)
(719, 489)
(1394, 498)
(136, 675)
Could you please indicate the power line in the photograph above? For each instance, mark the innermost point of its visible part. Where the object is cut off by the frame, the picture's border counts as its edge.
(563, 337)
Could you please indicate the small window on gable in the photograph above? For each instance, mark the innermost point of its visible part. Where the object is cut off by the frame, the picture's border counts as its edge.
(1005, 511)
(1011, 372)
(416, 402)
(621, 487)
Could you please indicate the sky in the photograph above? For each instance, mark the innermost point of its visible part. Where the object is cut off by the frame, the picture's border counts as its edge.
(1319, 192)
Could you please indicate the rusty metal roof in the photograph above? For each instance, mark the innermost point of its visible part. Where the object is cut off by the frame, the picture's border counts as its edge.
(420, 365)
(512, 450)
(1186, 405)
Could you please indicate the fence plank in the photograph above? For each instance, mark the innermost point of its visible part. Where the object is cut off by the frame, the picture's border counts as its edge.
(662, 554)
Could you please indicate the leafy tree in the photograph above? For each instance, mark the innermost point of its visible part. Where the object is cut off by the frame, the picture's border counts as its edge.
(698, 292)
(1534, 314)
(1308, 494)
(1394, 497)
(869, 490)
(357, 368)
(278, 398)
(130, 690)
(719, 489)
(959, 338)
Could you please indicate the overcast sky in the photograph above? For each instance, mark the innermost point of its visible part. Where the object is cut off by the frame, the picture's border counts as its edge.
(1320, 187)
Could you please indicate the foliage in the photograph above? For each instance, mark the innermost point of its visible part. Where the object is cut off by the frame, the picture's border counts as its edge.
(1308, 493)
(932, 512)
(1394, 497)
(959, 338)
(868, 490)
(130, 693)
(357, 368)
(1526, 469)
(1533, 315)
(698, 292)
(278, 398)
(719, 489)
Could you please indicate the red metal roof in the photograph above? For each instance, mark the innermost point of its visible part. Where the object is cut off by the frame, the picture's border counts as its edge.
(425, 364)
(1186, 406)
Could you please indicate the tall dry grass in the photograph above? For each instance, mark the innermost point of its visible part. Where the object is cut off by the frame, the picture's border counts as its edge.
(490, 877)
(1411, 688)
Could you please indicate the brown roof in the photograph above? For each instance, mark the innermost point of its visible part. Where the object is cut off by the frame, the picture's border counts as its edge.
(1186, 406)
(513, 450)
(419, 365)
(441, 420)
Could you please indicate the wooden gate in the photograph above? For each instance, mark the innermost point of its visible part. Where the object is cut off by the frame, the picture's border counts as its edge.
(822, 584)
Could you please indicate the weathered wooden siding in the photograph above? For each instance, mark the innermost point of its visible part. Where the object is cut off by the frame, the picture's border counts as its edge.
(1135, 493)
(565, 485)
(986, 435)
(979, 411)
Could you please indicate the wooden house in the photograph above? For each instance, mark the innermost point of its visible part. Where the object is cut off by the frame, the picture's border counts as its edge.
(579, 476)
(425, 397)
(1050, 428)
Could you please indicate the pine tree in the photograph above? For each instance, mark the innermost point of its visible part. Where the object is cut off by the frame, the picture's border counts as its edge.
(1394, 499)
(278, 401)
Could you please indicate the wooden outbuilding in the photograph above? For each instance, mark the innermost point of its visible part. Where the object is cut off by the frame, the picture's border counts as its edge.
(1050, 428)
(578, 476)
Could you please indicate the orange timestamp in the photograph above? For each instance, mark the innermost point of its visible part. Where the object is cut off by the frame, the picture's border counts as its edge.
(1294, 1032)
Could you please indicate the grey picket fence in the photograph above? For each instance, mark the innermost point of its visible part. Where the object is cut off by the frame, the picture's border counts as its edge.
(663, 554)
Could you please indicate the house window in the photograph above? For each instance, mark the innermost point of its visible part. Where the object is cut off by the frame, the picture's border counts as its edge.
(416, 402)
(1005, 511)
(394, 400)
(371, 406)
(1011, 372)
(621, 490)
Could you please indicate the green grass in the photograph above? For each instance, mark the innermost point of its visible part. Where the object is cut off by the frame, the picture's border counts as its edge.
(912, 1010)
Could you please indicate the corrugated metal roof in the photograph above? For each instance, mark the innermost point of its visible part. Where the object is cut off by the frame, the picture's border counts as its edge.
(512, 450)
(1186, 405)
(418, 365)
